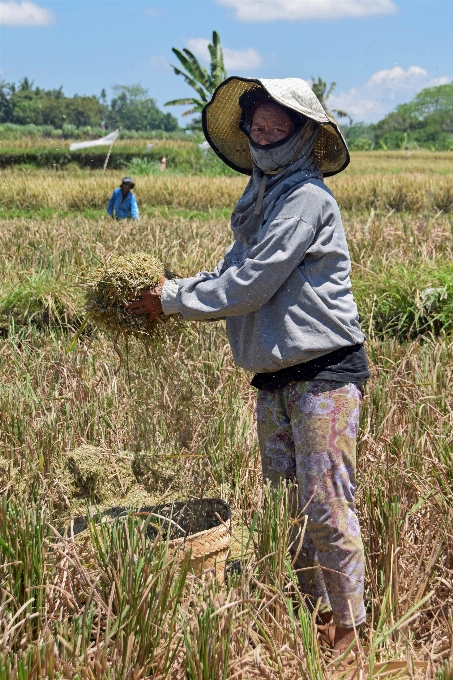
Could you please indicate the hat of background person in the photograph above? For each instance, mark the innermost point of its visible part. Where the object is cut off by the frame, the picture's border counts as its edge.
(128, 180)
(235, 100)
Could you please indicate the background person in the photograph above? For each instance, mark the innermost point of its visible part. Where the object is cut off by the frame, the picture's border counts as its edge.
(291, 319)
(123, 204)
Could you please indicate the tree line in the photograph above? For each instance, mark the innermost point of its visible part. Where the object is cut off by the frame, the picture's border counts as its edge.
(131, 108)
(426, 122)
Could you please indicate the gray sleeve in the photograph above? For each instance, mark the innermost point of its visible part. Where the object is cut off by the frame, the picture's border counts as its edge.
(170, 289)
(246, 288)
(169, 296)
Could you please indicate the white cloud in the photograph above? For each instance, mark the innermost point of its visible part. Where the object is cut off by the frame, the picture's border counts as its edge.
(242, 60)
(235, 60)
(153, 12)
(199, 47)
(397, 78)
(300, 10)
(24, 14)
(383, 92)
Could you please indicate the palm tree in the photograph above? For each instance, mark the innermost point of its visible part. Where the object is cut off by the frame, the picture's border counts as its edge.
(26, 85)
(204, 82)
(319, 87)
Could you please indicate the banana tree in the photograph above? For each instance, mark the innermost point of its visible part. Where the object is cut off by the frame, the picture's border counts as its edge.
(319, 87)
(204, 82)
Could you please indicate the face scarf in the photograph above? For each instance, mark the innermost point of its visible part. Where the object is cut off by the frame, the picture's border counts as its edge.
(278, 169)
(274, 157)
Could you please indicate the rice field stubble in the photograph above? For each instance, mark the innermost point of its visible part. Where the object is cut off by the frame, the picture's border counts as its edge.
(177, 422)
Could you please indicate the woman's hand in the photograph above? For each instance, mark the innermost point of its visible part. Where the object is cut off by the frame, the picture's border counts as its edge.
(149, 302)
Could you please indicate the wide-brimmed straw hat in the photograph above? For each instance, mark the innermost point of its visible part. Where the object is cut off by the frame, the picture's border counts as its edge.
(222, 117)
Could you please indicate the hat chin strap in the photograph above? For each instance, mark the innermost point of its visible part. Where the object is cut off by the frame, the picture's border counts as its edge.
(266, 175)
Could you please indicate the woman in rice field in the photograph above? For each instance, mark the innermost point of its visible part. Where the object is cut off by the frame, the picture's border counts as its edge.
(284, 289)
(123, 204)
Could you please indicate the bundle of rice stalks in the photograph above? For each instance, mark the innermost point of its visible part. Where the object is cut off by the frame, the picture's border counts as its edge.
(116, 283)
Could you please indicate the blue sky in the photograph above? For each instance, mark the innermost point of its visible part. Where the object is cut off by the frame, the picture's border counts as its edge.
(379, 52)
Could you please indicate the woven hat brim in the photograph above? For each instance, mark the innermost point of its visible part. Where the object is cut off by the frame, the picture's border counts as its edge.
(222, 114)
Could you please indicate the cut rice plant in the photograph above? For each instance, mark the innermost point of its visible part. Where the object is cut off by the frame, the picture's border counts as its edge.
(119, 281)
(97, 475)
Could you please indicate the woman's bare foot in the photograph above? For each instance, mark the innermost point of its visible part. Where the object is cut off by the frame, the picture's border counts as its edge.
(344, 638)
(326, 629)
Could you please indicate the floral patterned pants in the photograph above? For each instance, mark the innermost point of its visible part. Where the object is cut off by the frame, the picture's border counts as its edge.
(307, 433)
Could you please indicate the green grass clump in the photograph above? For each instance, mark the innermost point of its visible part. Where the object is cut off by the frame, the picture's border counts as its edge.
(39, 298)
(445, 672)
(116, 283)
(406, 302)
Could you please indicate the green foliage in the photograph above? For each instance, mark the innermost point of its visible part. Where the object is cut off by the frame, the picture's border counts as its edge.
(446, 671)
(359, 136)
(407, 301)
(188, 160)
(178, 134)
(15, 132)
(25, 106)
(426, 121)
(133, 109)
(362, 144)
(194, 164)
(207, 639)
(143, 585)
(201, 80)
(24, 530)
(11, 131)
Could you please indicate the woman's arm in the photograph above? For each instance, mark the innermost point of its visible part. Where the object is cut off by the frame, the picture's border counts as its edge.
(163, 299)
(246, 288)
(237, 290)
(111, 204)
(134, 208)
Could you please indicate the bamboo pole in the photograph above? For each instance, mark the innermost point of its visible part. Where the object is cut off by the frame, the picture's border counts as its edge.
(108, 156)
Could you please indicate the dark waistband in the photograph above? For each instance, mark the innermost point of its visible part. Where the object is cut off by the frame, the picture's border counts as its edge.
(347, 364)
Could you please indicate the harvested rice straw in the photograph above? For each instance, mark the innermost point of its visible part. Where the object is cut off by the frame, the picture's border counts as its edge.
(116, 283)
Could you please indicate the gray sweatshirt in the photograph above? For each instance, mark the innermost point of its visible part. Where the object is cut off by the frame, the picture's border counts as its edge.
(287, 296)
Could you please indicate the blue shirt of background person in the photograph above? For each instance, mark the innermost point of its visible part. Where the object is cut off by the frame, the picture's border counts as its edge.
(123, 202)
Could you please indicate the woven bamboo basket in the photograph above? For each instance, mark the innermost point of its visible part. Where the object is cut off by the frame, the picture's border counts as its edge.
(200, 526)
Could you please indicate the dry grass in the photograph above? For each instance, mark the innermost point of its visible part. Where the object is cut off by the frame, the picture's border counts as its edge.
(61, 191)
(110, 604)
(399, 163)
(401, 193)
(61, 144)
(379, 181)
